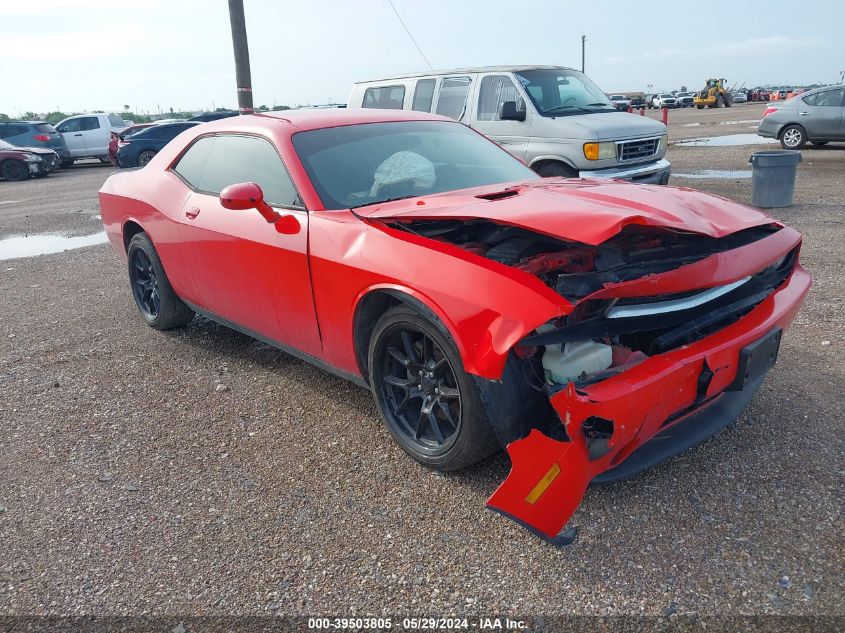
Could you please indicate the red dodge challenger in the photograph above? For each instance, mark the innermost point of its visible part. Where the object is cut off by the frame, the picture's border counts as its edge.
(593, 328)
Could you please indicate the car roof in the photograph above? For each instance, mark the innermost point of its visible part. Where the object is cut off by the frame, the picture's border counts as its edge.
(465, 70)
(27, 122)
(314, 119)
(815, 90)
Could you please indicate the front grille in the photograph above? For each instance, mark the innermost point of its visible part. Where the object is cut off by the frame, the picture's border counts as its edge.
(633, 150)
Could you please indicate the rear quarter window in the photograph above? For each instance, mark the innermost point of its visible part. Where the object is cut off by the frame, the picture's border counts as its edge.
(384, 97)
(45, 127)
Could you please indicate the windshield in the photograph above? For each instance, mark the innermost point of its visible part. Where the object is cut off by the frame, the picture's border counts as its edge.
(358, 165)
(557, 92)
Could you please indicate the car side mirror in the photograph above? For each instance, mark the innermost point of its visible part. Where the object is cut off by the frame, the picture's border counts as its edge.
(508, 112)
(248, 195)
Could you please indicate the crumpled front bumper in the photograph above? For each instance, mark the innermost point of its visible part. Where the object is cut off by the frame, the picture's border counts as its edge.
(680, 390)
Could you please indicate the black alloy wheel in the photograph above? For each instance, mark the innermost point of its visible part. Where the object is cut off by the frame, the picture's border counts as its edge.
(429, 404)
(15, 170)
(145, 285)
(155, 298)
(145, 157)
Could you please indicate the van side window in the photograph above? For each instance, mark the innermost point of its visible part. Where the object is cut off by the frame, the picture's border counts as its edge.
(493, 92)
(423, 95)
(453, 96)
(384, 97)
(89, 123)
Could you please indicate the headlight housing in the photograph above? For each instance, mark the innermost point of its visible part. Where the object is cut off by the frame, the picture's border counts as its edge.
(664, 141)
(599, 151)
(32, 158)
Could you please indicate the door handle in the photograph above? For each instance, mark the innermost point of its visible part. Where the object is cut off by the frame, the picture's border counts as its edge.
(80, 134)
(192, 213)
(803, 113)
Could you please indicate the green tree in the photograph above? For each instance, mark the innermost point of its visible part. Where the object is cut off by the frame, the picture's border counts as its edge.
(30, 116)
(280, 107)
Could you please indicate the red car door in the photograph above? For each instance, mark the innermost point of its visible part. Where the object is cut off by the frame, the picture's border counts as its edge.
(247, 272)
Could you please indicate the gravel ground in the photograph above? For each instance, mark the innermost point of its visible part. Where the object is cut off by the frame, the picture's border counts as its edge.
(198, 472)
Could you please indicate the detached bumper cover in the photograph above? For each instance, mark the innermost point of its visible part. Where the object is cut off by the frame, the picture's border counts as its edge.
(687, 386)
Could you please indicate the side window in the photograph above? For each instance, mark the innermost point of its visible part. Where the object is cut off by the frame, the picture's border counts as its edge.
(234, 159)
(452, 97)
(89, 123)
(384, 97)
(493, 92)
(13, 130)
(423, 95)
(825, 98)
(192, 163)
(70, 126)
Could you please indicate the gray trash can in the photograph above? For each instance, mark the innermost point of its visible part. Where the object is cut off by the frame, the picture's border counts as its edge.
(773, 177)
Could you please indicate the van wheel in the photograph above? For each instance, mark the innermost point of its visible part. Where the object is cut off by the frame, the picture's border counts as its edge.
(554, 169)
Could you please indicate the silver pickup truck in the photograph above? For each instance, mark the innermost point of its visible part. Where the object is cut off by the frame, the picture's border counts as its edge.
(553, 118)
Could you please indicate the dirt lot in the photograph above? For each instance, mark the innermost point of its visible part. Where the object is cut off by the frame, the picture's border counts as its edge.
(132, 482)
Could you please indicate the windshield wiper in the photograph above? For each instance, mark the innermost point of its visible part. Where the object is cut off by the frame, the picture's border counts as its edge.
(369, 204)
(564, 107)
(604, 105)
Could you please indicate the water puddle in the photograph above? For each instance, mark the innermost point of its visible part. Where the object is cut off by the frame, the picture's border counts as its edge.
(716, 174)
(739, 122)
(32, 245)
(726, 140)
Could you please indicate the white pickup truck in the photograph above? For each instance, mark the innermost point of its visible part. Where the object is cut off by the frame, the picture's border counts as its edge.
(87, 135)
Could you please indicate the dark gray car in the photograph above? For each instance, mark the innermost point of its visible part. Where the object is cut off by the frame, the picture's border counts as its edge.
(33, 134)
(817, 116)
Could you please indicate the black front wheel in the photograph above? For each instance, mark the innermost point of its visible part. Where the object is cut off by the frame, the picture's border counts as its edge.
(154, 296)
(429, 403)
(145, 157)
(16, 170)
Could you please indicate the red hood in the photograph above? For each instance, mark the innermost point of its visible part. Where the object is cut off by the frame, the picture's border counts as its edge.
(587, 211)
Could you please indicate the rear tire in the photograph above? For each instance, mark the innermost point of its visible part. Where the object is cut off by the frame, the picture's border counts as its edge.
(155, 298)
(145, 157)
(14, 170)
(555, 169)
(793, 137)
(429, 404)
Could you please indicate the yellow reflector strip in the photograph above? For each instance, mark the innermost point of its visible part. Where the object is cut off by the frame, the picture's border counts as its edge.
(543, 484)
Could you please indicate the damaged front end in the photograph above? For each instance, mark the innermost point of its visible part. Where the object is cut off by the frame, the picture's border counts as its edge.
(669, 335)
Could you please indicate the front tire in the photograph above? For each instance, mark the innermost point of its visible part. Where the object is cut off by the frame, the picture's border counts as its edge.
(556, 170)
(15, 170)
(428, 402)
(793, 137)
(155, 298)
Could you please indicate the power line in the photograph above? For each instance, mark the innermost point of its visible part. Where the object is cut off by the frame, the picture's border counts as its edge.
(402, 22)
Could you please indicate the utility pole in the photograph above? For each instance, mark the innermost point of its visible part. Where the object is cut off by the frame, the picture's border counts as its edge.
(583, 39)
(243, 78)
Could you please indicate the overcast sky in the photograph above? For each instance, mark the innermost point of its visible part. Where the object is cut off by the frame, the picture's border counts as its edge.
(100, 54)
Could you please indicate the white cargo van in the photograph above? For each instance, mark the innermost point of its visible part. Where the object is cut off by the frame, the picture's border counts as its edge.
(553, 118)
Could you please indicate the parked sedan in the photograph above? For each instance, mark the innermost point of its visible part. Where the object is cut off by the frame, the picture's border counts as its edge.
(817, 116)
(33, 134)
(19, 163)
(117, 136)
(568, 320)
(136, 150)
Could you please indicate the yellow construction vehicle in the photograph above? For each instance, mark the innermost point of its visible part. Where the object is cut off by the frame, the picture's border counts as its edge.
(714, 95)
